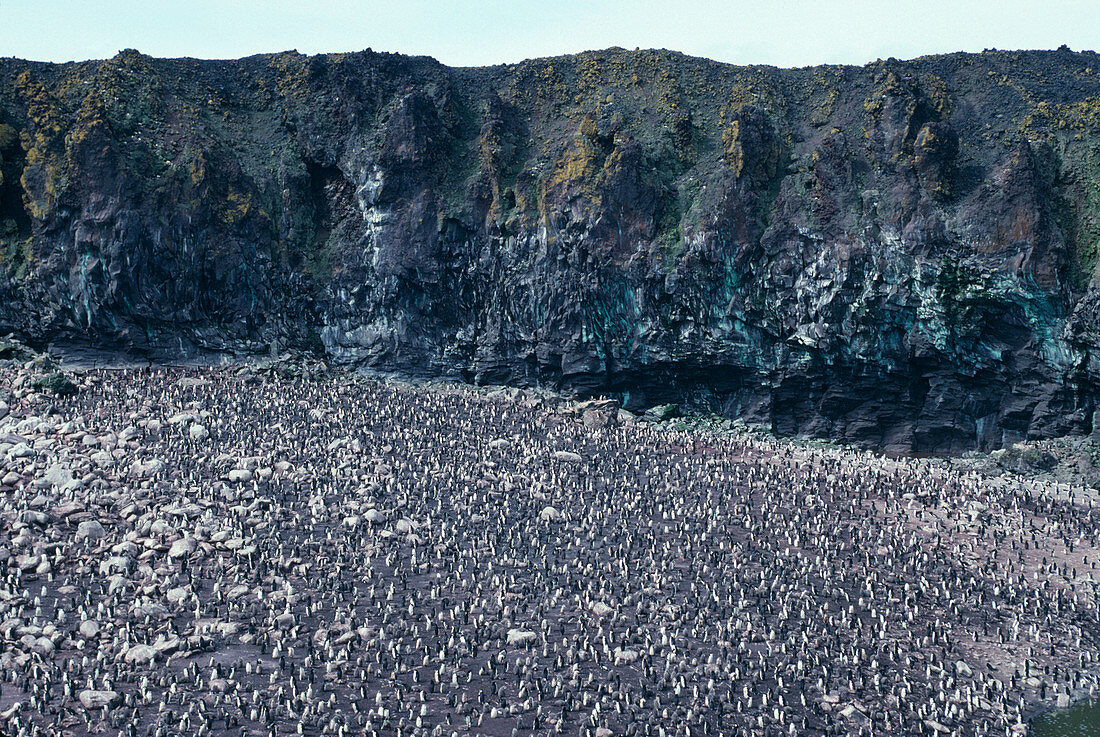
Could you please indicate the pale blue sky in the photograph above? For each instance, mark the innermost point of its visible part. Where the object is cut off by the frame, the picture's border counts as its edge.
(464, 32)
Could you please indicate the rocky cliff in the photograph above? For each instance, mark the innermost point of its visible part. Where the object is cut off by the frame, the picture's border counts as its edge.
(901, 254)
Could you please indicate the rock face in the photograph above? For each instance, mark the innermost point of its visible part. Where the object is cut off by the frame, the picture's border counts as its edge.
(900, 255)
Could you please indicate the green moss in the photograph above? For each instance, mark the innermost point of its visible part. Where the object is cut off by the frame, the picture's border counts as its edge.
(56, 383)
(963, 293)
(16, 253)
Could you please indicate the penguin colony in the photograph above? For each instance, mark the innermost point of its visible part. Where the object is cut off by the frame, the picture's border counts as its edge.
(192, 552)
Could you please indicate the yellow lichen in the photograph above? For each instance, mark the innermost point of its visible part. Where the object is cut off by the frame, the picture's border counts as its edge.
(239, 205)
(42, 143)
(732, 147)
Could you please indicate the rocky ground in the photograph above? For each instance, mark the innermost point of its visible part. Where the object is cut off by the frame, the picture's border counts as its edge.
(289, 551)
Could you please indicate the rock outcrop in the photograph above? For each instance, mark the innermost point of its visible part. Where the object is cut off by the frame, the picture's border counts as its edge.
(900, 255)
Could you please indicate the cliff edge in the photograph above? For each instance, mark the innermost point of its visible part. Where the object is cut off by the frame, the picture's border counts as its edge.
(901, 255)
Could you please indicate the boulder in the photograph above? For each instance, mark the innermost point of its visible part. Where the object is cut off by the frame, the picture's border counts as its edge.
(600, 609)
(625, 657)
(140, 655)
(597, 414)
(549, 514)
(115, 564)
(521, 637)
(93, 700)
(240, 475)
(662, 412)
(183, 547)
(58, 476)
(90, 530)
(22, 450)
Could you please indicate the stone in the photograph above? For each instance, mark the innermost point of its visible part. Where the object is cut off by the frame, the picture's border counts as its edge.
(68, 509)
(198, 433)
(166, 645)
(625, 657)
(177, 594)
(149, 468)
(238, 592)
(90, 530)
(222, 685)
(549, 514)
(161, 527)
(140, 655)
(43, 646)
(116, 564)
(584, 313)
(58, 476)
(595, 419)
(21, 451)
(27, 563)
(597, 414)
(35, 517)
(600, 609)
(183, 547)
(150, 609)
(240, 475)
(520, 637)
(662, 412)
(94, 700)
(567, 456)
(88, 629)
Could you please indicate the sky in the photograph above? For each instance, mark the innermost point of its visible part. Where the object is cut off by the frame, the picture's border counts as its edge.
(786, 33)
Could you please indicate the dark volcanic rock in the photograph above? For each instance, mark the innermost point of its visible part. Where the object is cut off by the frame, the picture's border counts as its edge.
(900, 255)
